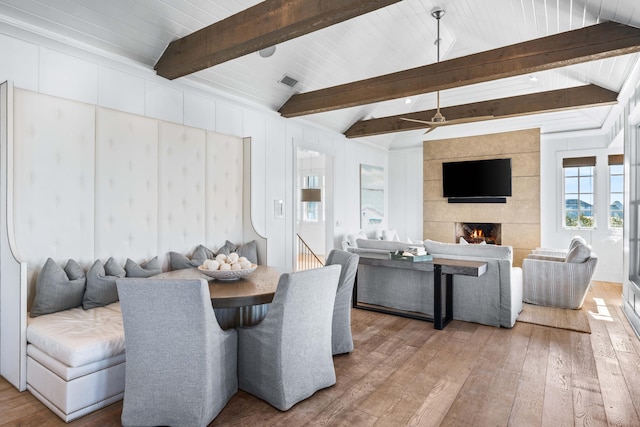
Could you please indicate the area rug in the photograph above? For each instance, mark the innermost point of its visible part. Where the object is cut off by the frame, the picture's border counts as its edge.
(561, 318)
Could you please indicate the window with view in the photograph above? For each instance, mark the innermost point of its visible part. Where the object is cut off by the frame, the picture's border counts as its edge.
(616, 191)
(311, 210)
(579, 187)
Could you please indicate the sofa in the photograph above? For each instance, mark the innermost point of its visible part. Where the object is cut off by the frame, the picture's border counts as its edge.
(493, 299)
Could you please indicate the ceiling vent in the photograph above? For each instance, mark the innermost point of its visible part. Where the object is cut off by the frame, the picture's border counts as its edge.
(289, 81)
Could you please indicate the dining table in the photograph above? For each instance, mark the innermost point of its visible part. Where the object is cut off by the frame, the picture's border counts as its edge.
(239, 302)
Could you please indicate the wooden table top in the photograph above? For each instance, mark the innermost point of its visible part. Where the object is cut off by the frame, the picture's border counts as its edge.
(449, 266)
(256, 288)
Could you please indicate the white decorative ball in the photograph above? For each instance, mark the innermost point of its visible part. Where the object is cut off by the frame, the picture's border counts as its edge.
(245, 264)
(221, 258)
(225, 266)
(242, 259)
(211, 264)
(233, 257)
(236, 266)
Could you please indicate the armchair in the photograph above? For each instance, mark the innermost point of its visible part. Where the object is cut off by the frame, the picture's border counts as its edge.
(559, 282)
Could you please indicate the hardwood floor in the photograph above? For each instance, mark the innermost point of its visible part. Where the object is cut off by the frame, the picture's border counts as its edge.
(403, 372)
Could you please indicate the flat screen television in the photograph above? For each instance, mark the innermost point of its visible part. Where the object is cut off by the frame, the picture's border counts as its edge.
(477, 179)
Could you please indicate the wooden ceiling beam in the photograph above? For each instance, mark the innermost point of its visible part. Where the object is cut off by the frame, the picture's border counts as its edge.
(536, 103)
(591, 43)
(263, 25)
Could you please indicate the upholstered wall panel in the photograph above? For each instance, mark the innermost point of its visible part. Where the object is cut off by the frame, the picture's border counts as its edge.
(181, 192)
(224, 190)
(126, 186)
(54, 180)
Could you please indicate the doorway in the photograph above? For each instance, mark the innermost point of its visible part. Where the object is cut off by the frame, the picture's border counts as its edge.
(313, 194)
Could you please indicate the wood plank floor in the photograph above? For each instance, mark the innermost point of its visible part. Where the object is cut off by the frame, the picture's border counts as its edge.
(403, 372)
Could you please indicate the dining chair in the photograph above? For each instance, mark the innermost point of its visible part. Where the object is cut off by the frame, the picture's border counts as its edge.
(181, 368)
(287, 357)
(341, 339)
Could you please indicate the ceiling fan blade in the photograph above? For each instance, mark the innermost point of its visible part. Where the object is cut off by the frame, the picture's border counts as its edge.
(467, 120)
(432, 128)
(424, 122)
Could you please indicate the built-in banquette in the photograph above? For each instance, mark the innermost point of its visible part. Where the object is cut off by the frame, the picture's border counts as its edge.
(88, 183)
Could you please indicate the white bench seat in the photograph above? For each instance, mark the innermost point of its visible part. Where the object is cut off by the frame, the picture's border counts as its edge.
(76, 359)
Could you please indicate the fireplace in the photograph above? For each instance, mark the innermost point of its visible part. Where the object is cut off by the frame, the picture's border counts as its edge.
(478, 232)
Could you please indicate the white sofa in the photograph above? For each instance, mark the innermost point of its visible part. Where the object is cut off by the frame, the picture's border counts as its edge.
(494, 299)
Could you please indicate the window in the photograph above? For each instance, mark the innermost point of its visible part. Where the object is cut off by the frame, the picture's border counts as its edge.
(616, 191)
(311, 210)
(579, 185)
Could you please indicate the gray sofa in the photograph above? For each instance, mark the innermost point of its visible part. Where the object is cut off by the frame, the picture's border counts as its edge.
(494, 299)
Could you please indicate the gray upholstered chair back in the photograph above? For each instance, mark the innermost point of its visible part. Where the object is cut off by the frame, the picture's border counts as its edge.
(341, 339)
(287, 357)
(558, 283)
(181, 367)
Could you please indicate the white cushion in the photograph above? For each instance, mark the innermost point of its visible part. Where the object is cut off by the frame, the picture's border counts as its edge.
(77, 337)
(352, 238)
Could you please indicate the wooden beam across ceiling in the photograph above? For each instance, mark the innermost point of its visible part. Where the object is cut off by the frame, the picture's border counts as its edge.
(541, 102)
(590, 43)
(263, 25)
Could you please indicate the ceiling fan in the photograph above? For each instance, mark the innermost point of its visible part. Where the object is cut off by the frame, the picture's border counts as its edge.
(438, 119)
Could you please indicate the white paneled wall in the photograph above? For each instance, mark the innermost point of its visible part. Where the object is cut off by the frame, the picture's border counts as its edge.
(53, 178)
(224, 190)
(93, 183)
(126, 202)
(405, 193)
(181, 193)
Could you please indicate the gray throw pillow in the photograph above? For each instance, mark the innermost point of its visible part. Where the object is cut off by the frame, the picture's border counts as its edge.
(248, 250)
(144, 270)
(579, 254)
(58, 289)
(180, 262)
(201, 254)
(101, 284)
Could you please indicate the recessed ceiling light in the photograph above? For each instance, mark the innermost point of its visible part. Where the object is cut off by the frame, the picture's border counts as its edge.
(267, 51)
(407, 101)
(533, 79)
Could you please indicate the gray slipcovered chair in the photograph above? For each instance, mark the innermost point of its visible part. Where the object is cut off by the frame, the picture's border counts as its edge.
(181, 367)
(552, 254)
(287, 357)
(559, 282)
(341, 339)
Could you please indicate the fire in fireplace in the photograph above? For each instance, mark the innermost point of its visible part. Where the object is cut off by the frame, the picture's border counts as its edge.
(479, 232)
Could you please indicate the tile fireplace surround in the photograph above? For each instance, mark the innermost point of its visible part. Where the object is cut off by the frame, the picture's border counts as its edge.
(478, 232)
(519, 216)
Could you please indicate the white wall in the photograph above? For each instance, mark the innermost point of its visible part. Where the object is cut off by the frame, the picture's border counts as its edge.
(48, 66)
(406, 183)
(606, 243)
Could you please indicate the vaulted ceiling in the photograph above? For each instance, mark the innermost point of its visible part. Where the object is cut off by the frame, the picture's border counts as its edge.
(396, 37)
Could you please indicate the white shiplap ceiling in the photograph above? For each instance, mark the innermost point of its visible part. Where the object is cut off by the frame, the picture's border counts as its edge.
(393, 38)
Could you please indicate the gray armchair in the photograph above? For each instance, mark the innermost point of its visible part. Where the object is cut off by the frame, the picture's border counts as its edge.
(287, 357)
(341, 339)
(560, 282)
(181, 367)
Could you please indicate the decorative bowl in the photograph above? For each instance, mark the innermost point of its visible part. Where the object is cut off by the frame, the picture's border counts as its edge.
(227, 274)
